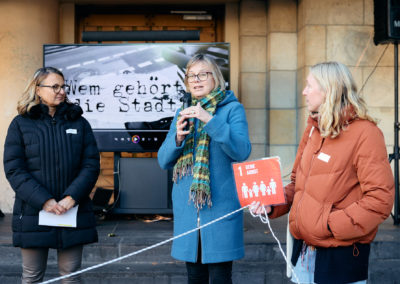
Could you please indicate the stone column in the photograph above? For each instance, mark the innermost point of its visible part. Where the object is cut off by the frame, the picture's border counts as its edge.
(25, 26)
(232, 36)
(281, 70)
(253, 71)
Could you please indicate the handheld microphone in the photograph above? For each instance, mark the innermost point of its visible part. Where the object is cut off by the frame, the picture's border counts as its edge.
(187, 102)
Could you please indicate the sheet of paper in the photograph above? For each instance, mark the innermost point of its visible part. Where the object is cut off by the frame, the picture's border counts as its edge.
(67, 219)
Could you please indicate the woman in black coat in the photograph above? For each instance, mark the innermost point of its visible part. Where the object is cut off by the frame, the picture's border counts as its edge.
(52, 163)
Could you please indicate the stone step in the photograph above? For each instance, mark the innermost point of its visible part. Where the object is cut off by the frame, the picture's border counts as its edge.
(160, 273)
(266, 253)
(384, 271)
(97, 253)
(381, 272)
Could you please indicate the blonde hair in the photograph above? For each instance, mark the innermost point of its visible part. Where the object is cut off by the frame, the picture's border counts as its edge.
(29, 97)
(216, 72)
(341, 98)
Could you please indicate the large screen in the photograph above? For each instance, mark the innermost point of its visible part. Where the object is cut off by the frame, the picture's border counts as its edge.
(129, 92)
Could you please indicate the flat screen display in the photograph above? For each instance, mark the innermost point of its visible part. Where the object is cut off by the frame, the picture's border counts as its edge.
(129, 92)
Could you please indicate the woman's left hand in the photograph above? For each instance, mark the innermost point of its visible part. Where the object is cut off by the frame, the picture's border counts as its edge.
(258, 208)
(197, 112)
(67, 202)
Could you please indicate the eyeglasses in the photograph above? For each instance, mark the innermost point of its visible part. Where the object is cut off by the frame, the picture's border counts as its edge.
(56, 88)
(202, 76)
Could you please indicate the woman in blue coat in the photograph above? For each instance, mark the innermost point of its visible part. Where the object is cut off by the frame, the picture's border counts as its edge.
(204, 187)
(52, 163)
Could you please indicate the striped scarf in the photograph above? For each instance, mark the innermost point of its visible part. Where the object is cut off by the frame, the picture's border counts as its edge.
(200, 192)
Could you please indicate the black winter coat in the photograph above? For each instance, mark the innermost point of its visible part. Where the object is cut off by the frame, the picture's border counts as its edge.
(51, 157)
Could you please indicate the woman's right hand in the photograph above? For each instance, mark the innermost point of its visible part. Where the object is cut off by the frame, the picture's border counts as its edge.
(52, 206)
(257, 209)
(180, 129)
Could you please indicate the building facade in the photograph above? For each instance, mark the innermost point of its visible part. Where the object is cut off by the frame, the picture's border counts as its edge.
(273, 43)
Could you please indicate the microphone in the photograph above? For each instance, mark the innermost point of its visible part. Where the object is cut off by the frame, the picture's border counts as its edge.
(187, 102)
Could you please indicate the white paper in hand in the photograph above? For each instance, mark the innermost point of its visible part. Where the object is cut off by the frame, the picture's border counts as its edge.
(68, 219)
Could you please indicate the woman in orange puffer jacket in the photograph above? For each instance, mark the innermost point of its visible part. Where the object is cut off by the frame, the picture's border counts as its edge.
(341, 186)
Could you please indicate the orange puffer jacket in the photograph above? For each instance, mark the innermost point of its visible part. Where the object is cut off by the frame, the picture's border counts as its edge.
(341, 189)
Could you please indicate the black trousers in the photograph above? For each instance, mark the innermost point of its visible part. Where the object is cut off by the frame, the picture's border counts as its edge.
(212, 273)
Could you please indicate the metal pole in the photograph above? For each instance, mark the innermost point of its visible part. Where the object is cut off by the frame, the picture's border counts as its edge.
(396, 134)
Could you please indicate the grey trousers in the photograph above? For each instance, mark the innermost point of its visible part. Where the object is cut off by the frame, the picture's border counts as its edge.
(34, 262)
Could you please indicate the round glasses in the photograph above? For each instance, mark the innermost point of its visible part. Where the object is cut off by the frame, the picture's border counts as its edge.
(56, 88)
(202, 76)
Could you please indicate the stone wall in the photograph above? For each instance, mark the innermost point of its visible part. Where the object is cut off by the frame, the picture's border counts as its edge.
(342, 30)
(24, 27)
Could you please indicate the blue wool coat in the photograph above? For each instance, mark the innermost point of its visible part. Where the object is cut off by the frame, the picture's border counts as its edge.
(229, 142)
(51, 157)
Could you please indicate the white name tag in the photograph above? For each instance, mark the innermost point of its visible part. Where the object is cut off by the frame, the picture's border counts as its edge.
(324, 157)
(71, 131)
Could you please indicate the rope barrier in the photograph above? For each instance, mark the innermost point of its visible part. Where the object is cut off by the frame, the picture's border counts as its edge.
(144, 249)
(264, 220)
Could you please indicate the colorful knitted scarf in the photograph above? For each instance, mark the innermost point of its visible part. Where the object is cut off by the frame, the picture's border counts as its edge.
(200, 192)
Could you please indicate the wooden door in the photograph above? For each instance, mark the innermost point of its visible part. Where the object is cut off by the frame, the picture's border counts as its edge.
(209, 20)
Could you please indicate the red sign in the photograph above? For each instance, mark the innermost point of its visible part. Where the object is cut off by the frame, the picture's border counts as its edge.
(259, 180)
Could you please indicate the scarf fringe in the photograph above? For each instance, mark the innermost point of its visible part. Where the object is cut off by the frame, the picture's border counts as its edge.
(200, 195)
(179, 173)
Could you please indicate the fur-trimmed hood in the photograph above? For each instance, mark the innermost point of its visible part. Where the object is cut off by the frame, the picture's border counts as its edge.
(68, 111)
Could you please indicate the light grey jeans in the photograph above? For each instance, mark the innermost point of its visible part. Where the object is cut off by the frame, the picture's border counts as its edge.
(34, 262)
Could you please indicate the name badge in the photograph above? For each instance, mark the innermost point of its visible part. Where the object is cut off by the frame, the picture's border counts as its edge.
(71, 131)
(324, 157)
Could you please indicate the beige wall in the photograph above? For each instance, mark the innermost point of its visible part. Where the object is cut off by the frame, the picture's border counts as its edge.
(67, 23)
(24, 26)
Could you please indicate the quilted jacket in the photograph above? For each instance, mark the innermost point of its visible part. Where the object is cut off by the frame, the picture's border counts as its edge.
(51, 157)
(341, 188)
